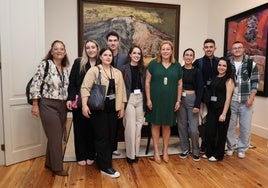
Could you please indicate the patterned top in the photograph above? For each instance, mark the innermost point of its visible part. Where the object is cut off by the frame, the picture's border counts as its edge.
(55, 83)
(244, 84)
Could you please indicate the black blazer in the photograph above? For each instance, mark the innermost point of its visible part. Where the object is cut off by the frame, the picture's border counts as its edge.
(76, 78)
(126, 71)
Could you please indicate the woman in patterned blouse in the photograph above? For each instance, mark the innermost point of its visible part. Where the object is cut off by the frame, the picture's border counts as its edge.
(49, 102)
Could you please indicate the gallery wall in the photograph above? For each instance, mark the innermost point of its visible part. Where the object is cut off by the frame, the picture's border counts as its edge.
(219, 11)
(198, 20)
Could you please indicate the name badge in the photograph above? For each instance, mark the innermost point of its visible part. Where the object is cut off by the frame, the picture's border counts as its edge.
(137, 91)
(213, 98)
(165, 80)
(183, 94)
(208, 82)
(111, 97)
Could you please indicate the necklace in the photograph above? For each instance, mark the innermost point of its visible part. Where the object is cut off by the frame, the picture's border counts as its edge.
(111, 76)
(166, 64)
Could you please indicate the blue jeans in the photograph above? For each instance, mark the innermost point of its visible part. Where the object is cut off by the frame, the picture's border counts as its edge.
(244, 114)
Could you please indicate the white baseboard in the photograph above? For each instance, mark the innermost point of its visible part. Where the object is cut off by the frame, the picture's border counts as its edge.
(260, 131)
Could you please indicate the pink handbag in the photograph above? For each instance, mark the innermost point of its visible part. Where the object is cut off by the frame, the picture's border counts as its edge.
(74, 103)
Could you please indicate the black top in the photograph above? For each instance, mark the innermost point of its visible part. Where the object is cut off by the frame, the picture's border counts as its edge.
(192, 80)
(76, 78)
(128, 78)
(188, 79)
(111, 87)
(136, 82)
(218, 89)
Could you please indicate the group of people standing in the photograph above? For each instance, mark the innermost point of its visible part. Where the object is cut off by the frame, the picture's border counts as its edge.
(165, 93)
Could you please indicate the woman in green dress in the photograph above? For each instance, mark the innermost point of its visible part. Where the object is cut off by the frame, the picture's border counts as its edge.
(163, 87)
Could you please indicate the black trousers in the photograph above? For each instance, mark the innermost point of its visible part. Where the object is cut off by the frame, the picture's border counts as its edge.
(83, 136)
(216, 133)
(119, 124)
(104, 126)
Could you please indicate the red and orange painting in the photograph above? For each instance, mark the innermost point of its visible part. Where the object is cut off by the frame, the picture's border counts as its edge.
(251, 28)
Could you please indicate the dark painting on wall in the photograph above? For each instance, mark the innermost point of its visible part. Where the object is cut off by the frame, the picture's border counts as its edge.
(140, 23)
(251, 28)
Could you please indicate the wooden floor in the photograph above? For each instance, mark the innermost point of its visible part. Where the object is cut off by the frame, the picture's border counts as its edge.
(231, 172)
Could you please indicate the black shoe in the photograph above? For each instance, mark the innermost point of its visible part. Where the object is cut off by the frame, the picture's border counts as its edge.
(184, 154)
(111, 173)
(130, 161)
(196, 158)
(48, 167)
(61, 173)
(136, 159)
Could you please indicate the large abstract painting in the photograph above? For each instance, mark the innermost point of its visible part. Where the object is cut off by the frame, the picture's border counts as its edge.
(140, 23)
(251, 28)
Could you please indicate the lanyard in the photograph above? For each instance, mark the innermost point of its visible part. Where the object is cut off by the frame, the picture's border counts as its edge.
(110, 73)
(61, 76)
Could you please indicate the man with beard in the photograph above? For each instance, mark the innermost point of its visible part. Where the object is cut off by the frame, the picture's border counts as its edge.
(208, 66)
(112, 41)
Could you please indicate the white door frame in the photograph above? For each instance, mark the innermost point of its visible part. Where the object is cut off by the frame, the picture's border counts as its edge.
(2, 154)
(22, 34)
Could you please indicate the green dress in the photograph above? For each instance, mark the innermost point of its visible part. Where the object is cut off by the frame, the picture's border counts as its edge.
(164, 93)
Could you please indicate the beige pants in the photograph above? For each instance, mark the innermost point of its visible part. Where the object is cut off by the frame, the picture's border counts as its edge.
(133, 121)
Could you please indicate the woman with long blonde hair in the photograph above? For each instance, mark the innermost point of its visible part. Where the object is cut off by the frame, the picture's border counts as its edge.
(83, 134)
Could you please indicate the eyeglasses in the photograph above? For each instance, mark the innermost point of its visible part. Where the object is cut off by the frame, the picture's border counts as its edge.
(58, 49)
(237, 48)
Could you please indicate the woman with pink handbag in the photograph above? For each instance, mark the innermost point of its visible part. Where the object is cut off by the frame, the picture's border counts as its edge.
(83, 133)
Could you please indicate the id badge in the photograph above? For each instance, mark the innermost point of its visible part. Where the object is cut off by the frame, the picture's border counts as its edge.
(183, 94)
(213, 98)
(208, 82)
(111, 97)
(137, 91)
(165, 80)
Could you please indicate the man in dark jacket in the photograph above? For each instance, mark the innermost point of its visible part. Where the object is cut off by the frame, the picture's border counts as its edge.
(208, 66)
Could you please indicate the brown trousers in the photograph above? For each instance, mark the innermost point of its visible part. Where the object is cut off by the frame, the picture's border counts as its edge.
(53, 115)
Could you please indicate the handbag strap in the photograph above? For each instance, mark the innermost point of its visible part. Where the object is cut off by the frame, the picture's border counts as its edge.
(98, 81)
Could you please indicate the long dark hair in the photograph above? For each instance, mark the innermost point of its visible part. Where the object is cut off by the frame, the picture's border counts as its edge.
(230, 69)
(141, 62)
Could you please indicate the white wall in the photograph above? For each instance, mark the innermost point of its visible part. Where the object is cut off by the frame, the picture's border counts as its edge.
(224, 9)
(199, 19)
(61, 23)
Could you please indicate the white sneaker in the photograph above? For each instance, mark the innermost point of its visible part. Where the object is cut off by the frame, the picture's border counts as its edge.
(204, 156)
(212, 159)
(116, 153)
(241, 155)
(229, 152)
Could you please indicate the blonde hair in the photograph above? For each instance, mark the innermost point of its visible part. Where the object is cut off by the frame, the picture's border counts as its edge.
(84, 59)
(159, 57)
